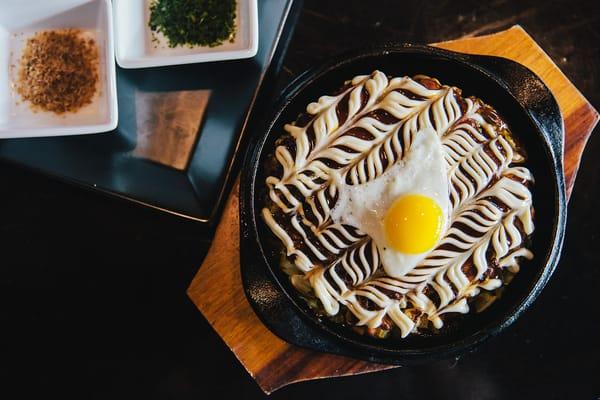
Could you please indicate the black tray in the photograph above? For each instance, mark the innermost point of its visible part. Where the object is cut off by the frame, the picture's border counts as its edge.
(105, 161)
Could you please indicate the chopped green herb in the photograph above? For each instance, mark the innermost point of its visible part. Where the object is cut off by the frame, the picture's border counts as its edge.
(194, 22)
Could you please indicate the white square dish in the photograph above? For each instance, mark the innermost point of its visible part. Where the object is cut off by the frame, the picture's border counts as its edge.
(138, 47)
(19, 20)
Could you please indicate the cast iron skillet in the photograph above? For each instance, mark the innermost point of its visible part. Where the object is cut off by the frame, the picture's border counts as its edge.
(521, 99)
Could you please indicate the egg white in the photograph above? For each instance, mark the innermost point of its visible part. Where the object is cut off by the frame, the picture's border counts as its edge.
(421, 171)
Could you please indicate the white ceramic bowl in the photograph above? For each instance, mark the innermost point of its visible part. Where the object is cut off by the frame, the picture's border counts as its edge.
(135, 47)
(19, 19)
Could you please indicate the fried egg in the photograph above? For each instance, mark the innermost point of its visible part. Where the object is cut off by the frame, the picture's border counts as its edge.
(405, 210)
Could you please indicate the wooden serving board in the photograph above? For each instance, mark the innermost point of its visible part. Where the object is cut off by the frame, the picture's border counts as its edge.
(217, 287)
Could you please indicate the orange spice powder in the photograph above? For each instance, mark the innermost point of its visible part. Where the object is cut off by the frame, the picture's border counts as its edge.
(58, 71)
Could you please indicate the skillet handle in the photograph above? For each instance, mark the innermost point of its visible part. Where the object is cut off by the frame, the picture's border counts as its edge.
(535, 96)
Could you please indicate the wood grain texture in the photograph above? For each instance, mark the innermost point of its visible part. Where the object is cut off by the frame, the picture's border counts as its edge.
(217, 288)
(168, 124)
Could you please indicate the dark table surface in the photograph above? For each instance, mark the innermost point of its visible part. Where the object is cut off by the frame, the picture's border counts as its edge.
(92, 289)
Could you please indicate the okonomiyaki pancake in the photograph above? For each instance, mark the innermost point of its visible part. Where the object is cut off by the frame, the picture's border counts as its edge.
(397, 204)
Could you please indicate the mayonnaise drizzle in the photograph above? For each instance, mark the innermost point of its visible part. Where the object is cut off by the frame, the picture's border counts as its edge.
(488, 195)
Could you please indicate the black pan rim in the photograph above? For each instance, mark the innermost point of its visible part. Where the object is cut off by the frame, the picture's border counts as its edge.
(547, 265)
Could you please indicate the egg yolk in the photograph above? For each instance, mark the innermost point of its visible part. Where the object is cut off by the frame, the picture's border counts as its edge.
(413, 224)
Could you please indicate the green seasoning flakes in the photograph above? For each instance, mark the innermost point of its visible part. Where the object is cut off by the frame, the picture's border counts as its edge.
(194, 22)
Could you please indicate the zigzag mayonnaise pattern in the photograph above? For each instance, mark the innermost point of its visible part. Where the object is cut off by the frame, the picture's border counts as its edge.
(357, 135)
